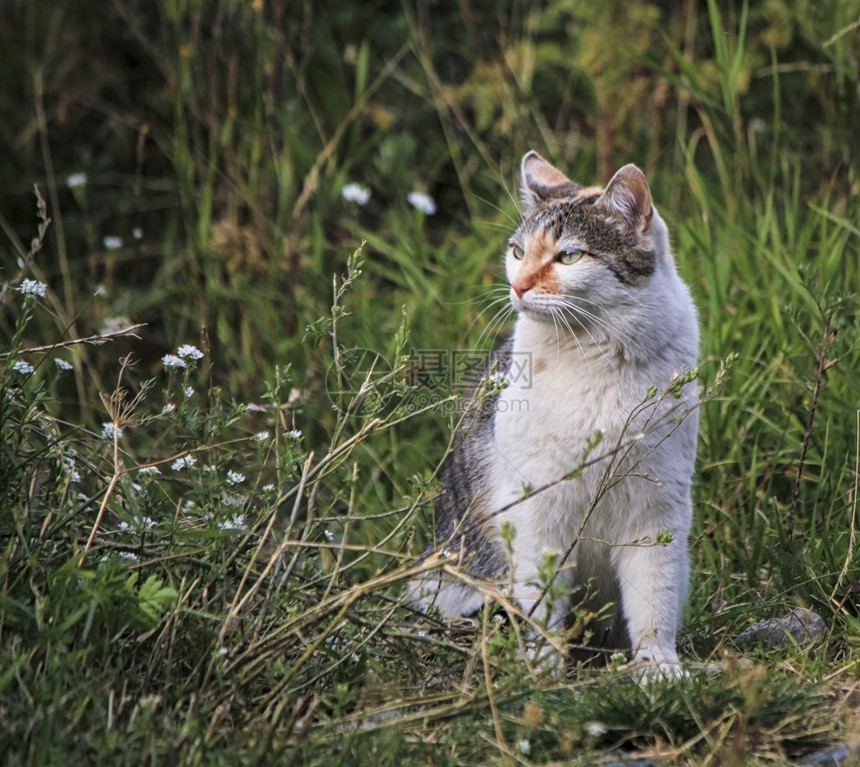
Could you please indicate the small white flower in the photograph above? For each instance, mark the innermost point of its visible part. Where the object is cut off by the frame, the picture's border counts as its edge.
(223, 651)
(32, 288)
(270, 488)
(148, 522)
(236, 522)
(209, 468)
(111, 430)
(356, 193)
(235, 501)
(172, 361)
(62, 364)
(137, 233)
(596, 729)
(186, 462)
(187, 351)
(74, 477)
(149, 470)
(261, 436)
(189, 392)
(129, 555)
(74, 180)
(168, 408)
(329, 534)
(124, 526)
(296, 434)
(422, 201)
(112, 242)
(235, 478)
(23, 367)
(524, 747)
(498, 380)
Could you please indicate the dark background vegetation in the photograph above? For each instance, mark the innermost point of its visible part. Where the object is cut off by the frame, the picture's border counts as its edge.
(216, 138)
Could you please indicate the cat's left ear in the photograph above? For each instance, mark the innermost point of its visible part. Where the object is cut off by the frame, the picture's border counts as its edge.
(542, 180)
(629, 197)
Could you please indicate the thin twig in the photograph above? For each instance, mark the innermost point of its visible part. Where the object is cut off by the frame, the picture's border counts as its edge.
(826, 339)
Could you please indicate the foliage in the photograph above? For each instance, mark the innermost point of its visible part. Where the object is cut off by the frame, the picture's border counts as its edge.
(228, 383)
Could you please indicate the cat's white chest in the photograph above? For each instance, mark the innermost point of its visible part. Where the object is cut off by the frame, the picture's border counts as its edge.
(547, 415)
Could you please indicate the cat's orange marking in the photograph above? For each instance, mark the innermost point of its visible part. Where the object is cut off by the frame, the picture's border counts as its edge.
(538, 267)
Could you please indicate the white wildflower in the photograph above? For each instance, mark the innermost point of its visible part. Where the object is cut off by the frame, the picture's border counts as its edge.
(62, 364)
(148, 522)
(261, 436)
(223, 651)
(75, 477)
(235, 501)
(596, 729)
(498, 380)
(111, 430)
(23, 367)
(422, 201)
(172, 361)
(524, 747)
(236, 522)
(137, 233)
(270, 488)
(32, 288)
(149, 470)
(356, 193)
(112, 242)
(235, 478)
(209, 468)
(189, 392)
(188, 351)
(296, 434)
(124, 526)
(129, 555)
(168, 408)
(74, 180)
(186, 462)
(329, 534)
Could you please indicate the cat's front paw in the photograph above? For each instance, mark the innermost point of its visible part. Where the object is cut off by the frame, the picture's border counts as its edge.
(648, 672)
(656, 665)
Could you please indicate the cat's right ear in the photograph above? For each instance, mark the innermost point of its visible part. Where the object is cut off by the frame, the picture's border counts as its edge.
(541, 180)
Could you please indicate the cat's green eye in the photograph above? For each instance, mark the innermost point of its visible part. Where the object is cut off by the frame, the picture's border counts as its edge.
(569, 256)
(517, 252)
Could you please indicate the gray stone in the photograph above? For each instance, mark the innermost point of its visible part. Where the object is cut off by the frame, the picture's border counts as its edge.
(800, 625)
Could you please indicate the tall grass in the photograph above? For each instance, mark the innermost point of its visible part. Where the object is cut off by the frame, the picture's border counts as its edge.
(203, 557)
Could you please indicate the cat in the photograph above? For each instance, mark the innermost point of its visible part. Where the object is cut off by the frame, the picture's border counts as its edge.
(605, 326)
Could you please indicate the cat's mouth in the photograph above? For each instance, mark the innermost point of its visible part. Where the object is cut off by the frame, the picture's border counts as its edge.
(531, 307)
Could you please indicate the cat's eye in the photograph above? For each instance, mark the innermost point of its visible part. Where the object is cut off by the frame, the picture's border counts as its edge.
(569, 256)
(517, 252)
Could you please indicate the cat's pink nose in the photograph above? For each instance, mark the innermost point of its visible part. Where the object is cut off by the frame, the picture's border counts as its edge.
(519, 289)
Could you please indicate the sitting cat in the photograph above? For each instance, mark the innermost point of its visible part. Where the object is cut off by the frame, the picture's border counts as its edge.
(604, 328)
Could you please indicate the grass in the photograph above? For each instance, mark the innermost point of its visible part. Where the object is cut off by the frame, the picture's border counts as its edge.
(223, 582)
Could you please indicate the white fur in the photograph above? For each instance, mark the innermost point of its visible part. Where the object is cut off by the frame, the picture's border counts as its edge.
(588, 380)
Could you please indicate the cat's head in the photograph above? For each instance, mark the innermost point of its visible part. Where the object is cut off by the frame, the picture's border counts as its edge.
(582, 247)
